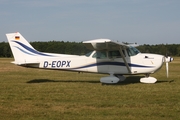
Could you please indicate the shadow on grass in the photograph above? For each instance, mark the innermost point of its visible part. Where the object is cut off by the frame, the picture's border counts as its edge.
(129, 80)
(163, 81)
(65, 81)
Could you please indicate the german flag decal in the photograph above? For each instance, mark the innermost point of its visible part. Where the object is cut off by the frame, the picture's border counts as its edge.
(17, 38)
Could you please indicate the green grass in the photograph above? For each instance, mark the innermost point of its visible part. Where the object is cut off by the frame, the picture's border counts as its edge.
(28, 94)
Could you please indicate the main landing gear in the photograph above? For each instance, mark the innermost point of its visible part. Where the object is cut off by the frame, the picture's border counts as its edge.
(112, 79)
(148, 79)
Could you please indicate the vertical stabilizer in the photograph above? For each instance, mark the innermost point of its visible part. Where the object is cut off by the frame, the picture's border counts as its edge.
(22, 51)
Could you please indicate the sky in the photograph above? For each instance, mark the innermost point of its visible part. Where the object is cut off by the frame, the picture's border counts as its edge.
(140, 21)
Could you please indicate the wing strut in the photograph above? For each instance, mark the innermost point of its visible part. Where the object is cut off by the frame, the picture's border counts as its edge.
(125, 62)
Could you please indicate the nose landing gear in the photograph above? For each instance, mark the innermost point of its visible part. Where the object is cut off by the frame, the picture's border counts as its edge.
(148, 79)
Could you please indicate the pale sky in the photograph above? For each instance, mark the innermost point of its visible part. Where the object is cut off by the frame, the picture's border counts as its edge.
(141, 21)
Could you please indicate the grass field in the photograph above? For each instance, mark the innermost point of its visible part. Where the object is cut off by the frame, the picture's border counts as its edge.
(35, 94)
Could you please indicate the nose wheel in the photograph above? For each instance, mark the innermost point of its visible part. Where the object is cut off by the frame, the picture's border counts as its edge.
(148, 79)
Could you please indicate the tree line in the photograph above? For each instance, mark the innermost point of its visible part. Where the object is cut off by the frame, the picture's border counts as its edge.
(77, 48)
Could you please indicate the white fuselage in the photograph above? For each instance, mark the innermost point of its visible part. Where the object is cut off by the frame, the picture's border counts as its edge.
(140, 63)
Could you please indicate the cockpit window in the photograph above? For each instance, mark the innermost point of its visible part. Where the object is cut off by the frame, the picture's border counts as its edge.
(88, 54)
(99, 55)
(132, 51)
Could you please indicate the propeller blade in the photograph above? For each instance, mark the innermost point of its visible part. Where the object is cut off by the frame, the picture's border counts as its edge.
(167, 59)
(167, 69)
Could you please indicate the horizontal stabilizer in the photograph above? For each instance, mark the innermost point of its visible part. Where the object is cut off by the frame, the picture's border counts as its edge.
(27, 64)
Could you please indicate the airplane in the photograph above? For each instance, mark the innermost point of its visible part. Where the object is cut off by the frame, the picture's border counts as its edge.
(107, 57)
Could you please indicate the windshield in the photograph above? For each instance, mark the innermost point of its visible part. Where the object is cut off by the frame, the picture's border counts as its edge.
(132, 51)
(88, 54)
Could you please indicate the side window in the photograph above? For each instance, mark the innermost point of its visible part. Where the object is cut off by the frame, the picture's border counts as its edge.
(129, 52)
(115, 54)
(99, 55)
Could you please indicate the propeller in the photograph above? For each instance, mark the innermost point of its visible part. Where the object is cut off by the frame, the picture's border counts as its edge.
(167, 60)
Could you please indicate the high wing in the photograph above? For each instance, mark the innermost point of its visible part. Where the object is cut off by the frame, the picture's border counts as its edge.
(103, 44)
(107, 44)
